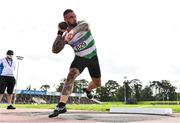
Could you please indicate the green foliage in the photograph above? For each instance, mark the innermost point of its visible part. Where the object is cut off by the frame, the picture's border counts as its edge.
(112, 87)
(79, 85)
(147, 94)
(45, 87)
(136, 88)
(132, 89)
(120, 94)
(164, 90)
(102, 94)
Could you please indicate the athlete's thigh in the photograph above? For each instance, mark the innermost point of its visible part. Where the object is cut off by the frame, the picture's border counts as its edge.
(94, 68)
(78, 63)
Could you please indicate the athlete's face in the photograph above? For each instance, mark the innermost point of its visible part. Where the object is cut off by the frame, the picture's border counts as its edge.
(70, 19)
(10, 56)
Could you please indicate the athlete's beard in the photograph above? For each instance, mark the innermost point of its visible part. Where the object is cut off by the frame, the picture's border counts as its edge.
(72, 25)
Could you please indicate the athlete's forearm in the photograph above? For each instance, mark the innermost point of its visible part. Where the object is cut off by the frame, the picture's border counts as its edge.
(58, 44)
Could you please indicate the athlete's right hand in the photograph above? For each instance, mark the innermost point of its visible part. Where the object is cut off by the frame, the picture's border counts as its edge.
(69, 36)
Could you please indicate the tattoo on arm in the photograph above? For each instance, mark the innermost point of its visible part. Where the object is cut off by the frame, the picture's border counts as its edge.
(83, 26)
(58, 44)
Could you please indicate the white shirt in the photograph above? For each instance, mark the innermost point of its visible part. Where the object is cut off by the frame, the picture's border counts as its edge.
(7, 67)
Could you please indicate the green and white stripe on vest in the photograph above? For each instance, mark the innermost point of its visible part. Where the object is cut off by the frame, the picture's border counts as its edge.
(83, 44)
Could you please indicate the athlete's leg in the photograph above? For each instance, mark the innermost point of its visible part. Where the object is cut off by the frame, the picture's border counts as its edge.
(67, 90)
(76, 68)
(95, 73)
(68, 85)
(95, 83)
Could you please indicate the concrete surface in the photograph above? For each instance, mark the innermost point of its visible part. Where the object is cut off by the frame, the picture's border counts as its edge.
(158, 111)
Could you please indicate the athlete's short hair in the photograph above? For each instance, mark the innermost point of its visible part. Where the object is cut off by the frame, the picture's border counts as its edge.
(67, 11)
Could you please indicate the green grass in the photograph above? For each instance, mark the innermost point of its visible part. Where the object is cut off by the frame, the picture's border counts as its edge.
(98, 107)
(35, 106)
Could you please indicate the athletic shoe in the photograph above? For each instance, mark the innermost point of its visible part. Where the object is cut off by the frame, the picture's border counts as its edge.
(57, 111)
(10, 107)
(88, 93)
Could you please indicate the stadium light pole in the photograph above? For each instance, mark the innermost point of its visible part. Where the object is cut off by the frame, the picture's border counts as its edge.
(18, 59)
(125, 78)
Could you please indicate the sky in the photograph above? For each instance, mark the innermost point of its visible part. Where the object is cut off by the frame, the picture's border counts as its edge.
(134, 38)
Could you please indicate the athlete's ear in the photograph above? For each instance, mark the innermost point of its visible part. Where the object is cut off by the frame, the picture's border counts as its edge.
(65, 19)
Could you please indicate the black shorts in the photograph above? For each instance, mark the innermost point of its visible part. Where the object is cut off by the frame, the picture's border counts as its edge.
(7, 82)
(92, 64)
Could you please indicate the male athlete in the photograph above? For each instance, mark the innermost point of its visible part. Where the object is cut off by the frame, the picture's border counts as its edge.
(79, 37)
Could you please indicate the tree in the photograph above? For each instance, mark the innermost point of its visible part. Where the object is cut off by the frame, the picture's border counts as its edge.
(112, 87)
(61, 84)
(168, 90)
(147, 94)
(120, 93)
(165, 90)
(156, 85)
(136, 88)
(60, 87)
(102, 94)
(79, 85)
(45, 87)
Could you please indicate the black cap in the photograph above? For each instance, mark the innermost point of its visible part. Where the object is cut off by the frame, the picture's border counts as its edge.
(10, 52)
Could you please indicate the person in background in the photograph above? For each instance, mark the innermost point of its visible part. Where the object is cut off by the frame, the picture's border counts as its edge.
(7, 80)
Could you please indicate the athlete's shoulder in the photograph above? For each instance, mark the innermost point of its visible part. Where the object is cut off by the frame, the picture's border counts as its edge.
(82, 22)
